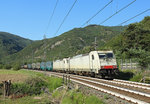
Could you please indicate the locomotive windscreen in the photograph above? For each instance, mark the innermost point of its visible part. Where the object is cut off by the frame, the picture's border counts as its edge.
(105, 55)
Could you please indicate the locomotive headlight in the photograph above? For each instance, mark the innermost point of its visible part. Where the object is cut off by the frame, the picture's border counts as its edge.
(102, 67)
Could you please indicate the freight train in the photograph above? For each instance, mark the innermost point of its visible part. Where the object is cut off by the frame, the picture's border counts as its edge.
(96, 64)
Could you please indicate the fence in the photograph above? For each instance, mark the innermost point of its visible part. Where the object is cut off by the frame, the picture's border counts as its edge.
(6, 87)
(1, 88)
(128, 64)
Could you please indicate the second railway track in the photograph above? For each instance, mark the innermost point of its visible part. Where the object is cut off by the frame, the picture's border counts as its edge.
(136, 93)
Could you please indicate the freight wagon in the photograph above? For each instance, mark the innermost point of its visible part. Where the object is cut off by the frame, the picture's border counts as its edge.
(37, 66)
(96, 63)
(43, 65)
(29, 66)
(49, 66)
(33, 65)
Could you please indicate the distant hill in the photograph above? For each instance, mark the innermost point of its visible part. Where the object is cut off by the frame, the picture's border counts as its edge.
(10, 44)
(75, 41)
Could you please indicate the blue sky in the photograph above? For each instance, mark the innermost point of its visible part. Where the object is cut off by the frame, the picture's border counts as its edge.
(29, 18)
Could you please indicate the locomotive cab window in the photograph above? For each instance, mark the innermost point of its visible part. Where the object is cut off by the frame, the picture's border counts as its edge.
(105, 55)
(110, 55)
(92, 57)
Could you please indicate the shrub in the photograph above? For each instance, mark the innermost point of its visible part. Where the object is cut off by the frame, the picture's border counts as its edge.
(74, 97)
(20, 88)
(136, 78)
(1, 66)
(30, 87)
(16, 67)
(36, 84)
(93, 100)
(7, 66)
(53, 83)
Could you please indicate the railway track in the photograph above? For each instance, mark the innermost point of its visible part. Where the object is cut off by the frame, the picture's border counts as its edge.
(131, 91)
(130, 82)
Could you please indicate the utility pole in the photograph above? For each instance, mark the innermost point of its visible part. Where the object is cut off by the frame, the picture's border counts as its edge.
(32, 53)
(44, 56)
(23, 60)
(95, 43)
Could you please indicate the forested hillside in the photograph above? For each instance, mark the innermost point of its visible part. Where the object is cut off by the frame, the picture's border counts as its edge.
(131, 41)
(134, 42)
(76, 41)
(10, 44)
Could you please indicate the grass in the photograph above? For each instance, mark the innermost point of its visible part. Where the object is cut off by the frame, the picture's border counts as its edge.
(136, 78)
(17, 76)
(51, 83)
(54, 83)
(75, 97)
(40, 99)
(22, 75)
(35, 85)
(25, 72)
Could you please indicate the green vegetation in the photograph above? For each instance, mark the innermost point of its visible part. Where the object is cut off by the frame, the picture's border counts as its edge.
(125, 75)
(70, 97)
(134, 75)
(35, 85)
(131, 41)
(7, 66)
(23, 72)
(34, 90)
(16, 67)
(75, 97)
(134, 43)
(137, 77)
(54, 83)
(40, 99)
(1, 66)
(30, 86)
(68, 44)
(10, 44)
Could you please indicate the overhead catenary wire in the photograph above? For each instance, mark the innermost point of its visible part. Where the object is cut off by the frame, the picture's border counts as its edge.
(117, 12)
(65, 17)
(97, 13)
(134, 17)
(50, 19)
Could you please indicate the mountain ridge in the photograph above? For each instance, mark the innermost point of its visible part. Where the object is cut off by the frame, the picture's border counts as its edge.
(10, 44)
(67, 44)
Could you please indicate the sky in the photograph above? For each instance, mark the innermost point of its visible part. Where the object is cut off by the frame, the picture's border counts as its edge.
(30, 18)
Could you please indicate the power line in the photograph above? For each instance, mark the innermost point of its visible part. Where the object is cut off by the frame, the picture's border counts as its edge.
(134, 17)
(97, 12)
(117, 12)
(66, 17)
(50, 19)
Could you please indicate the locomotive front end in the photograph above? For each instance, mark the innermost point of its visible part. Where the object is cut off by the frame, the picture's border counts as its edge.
(108, 64)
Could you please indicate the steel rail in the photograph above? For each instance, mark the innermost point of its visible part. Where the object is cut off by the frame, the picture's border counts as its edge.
(107, 91)
(121, 83)
(138, 83)
(119, 88)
